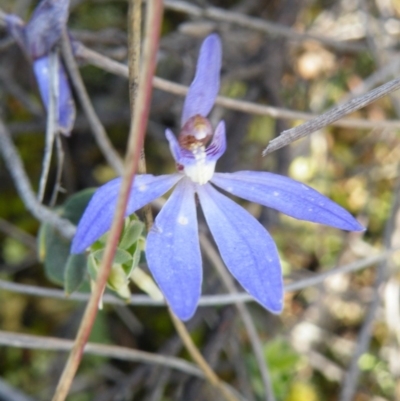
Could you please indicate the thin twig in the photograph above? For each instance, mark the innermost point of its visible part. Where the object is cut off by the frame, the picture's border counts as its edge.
(256, 24)
(15, 89)
(120, 69)
(384, 73)
(19, 235)
(135, 144)
(334, 114)
(27, 341)
(60, 164)
(245, 315)
(110, 154)
(205, 300)
(7, 392)
(13, 162)
(134, 39)
(198, 358)
(51, 126)
(350, 267)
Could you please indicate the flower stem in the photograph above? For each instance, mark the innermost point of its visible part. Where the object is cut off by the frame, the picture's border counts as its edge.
(135, 144)
(198, 358)
(134, 38)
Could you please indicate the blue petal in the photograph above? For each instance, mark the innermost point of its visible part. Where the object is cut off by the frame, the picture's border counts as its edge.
(173, 145)
(217, 146)
(288, 196)
(173, 251)
(98, 216)
(214, 151)
(181, 155)
(45, 27)
(41, 68)
(66, 105)
(247, 249)
(204, 89)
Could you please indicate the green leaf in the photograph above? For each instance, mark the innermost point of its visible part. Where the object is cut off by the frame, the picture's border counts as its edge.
(41, 243)
(135, 255)
(119, 282)
(92, 266)
(131, 234)
(75, 205)
(75, 272)
(54, 251)
(121, 256)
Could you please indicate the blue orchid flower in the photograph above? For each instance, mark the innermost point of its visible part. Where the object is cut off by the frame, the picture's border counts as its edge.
(172, 247)
(37, 39)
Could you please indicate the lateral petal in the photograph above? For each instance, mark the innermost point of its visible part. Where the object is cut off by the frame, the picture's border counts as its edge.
(45, 27)
(204, 89)
(98, 216)
(217, 146)
(66, 105)
(288, 196)
(214, 151)
(181, 155)
(173, 251)
(173, 145)
(247, 249)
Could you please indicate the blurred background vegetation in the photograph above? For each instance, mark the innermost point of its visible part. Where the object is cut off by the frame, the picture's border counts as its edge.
(312, 347)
